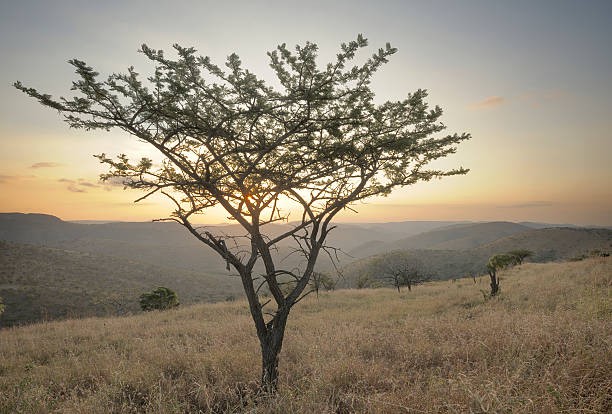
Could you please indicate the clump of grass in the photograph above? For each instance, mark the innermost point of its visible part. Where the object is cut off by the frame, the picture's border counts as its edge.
(542, 346)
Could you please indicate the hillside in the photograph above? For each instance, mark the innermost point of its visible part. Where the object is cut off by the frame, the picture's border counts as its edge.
(549, 244)
(48, 283)
(554, 243)
(453, 237)
(541, 347)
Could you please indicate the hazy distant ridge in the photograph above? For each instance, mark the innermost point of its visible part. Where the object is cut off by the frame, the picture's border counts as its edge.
(52, 268)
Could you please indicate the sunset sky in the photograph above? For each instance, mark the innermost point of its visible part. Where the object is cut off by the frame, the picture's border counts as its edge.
(530, 80)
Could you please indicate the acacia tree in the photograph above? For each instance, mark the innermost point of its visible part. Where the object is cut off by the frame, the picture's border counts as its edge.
(497, 263)
(315, 144)
(320, 280)
(403, 272)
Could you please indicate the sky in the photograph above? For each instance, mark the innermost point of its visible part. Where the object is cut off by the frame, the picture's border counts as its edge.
(531, 81)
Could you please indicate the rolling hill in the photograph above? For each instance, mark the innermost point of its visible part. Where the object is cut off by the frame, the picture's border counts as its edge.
(452, 237)
(548, 244)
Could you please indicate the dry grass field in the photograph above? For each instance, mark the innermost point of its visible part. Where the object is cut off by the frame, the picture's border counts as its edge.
(543, 346)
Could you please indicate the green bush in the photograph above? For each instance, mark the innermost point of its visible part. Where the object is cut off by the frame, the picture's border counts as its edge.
(160, 298)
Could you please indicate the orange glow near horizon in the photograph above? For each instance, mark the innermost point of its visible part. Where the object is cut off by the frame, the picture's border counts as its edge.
(90, 200)
(537, 101)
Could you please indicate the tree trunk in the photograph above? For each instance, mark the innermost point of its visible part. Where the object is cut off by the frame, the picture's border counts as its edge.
(271, 345)
(269, 368)
(494, 283)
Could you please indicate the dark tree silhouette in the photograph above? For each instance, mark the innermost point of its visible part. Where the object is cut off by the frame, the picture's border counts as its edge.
(314, 146)
(497, 263)
(319, 280)
(403, 272)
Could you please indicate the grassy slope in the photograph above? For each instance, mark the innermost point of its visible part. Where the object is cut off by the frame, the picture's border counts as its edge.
(542, 346)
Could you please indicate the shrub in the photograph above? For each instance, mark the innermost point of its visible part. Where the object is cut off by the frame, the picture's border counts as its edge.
(160, 298)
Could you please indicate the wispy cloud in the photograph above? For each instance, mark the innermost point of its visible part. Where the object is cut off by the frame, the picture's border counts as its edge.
(73, 188)
(46, 164)
(8, 178)
(529, 204)
(76, 186)
(490, 102)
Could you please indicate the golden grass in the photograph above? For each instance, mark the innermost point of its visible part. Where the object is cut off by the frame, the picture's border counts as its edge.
(543, 346)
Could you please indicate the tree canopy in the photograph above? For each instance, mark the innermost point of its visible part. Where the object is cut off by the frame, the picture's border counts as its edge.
(317, 142)
(401, 271)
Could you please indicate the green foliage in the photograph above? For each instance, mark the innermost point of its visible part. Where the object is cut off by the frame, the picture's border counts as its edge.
(501, 261)
(521, 254)
(1, 306)
(254, 144)
(160, 298)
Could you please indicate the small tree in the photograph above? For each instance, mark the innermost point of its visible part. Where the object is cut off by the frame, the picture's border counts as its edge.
(520, 255)
(314, 147)
(160, 298)
(403, 272)
(320, 281)
(497, 263)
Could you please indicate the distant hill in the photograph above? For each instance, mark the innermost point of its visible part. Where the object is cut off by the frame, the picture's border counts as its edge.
(169, 244)
(112, 263)
(49, 283)
(452, 237)
(550, 244)
(161, 244)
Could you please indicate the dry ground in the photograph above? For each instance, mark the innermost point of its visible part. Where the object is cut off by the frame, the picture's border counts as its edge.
(543, 346)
